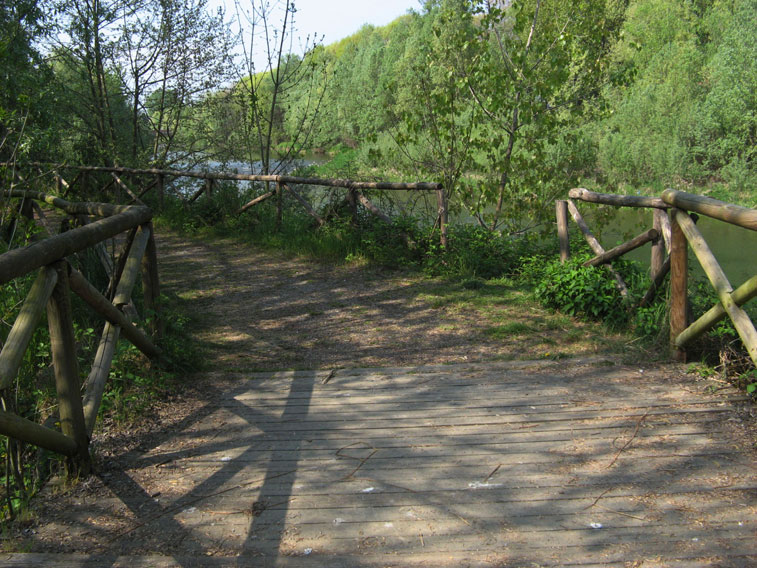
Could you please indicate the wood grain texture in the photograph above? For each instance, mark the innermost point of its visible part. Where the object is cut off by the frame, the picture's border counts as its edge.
(454, 465)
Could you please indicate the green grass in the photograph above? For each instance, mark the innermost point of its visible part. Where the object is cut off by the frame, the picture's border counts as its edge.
(506, 330)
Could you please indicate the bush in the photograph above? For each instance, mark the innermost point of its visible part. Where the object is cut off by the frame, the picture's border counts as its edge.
(581, 291)
(471, 252)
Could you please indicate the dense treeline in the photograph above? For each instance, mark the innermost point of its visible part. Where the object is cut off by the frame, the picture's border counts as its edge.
(509, 106)
(506, 103)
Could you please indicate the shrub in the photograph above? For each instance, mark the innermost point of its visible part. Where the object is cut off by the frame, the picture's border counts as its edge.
(577, 290)
(471, 252)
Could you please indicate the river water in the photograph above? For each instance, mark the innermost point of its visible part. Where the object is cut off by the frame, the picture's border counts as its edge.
(734, 247)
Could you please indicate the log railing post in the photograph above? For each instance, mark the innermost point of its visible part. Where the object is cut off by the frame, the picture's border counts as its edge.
(678, 285)
(658, 246)
(441, 198)
(561, 211)
(161, 189)
(279, 206)
(151, 283)
(352, 201)
(63, 346)
(720, 283)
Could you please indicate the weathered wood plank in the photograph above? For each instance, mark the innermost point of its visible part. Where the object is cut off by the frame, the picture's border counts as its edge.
(365, 559)
(617, 200)
(23, 327)
(624, 248)
(282, 471)
(349, 422)
(18, 262)
(734, 214)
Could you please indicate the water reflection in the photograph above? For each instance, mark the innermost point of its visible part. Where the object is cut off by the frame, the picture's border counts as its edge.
(734, 247)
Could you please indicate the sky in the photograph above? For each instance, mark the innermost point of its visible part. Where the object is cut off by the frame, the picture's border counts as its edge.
(332, 20)
(337, 19)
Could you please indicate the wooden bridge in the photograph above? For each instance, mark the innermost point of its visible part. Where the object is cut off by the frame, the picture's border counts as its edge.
(530, 463)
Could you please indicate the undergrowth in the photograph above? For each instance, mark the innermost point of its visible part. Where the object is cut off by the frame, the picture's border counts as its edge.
(134, 383)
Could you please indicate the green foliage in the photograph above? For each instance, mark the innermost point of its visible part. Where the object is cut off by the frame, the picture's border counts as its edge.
(689, 110)
(578, 290)
(27, 98)
(471, 251)
(749, 380)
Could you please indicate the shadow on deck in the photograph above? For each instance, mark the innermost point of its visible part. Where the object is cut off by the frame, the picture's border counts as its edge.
(502, 464)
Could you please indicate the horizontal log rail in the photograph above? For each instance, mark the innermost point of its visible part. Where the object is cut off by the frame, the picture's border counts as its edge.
(52, 289)
(733, 214)
(18, 262)
(616, 200)
(282, 182)
(325, 182)
(678, 232)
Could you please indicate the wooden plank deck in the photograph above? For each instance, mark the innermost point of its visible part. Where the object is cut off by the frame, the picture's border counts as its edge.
(503, 464)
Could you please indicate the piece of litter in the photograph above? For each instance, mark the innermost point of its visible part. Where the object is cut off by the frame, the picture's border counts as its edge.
(338, 521)
(482, 485)
(190, 510)
(226, 459)
(308, 551)
(695, 539)
(595, 525)
(532, 407)
(368, 490)
(388, 525)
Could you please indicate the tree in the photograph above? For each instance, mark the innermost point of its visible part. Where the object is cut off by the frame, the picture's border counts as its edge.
(83, 46)
(25, 96)
(264, 92)
(438, 129)
(689, 112)
(188, 61)
(538, 63)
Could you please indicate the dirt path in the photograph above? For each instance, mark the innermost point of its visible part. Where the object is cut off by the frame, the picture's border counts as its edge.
(261, 311)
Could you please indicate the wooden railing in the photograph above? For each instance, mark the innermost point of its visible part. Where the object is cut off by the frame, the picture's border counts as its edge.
(674, 234)
(56, 278)
(355, 196)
